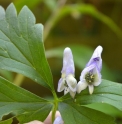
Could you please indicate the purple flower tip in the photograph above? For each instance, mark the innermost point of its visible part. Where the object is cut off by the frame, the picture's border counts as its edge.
(91, 75)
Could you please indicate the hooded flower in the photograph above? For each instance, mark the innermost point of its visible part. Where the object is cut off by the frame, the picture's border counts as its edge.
(58, 120)
(67, 81)
(91, 75)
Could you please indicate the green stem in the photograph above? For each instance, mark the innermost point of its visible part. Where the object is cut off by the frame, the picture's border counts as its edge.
(54, 94)
(55, 107)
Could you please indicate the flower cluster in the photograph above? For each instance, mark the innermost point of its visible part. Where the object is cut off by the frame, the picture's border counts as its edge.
(90, 76)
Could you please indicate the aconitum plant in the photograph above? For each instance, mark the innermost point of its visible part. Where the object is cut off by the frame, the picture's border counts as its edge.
(22, 51)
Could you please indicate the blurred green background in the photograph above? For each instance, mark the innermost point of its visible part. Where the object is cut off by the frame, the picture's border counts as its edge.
(81, 25)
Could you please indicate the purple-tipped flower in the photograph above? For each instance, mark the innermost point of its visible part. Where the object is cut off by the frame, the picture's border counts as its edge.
(58, 120)
(67, 81)
(91, 75)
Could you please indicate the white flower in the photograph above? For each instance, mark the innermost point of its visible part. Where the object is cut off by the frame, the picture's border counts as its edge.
(58, 120)
(91, 75)
(67, 81)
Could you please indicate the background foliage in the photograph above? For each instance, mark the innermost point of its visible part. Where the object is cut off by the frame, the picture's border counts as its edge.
(81, 25)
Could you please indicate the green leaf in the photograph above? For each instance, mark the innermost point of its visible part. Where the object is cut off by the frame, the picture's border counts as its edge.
(25, 105)
(106, 108)
(6, 74)
(74, 114)
(21, 45)
(39, 113)
(8, 121)
(107, 92)
(81, 55)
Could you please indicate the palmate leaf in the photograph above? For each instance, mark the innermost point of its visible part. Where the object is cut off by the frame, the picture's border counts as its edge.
(21, 45)
(75, 114)
(23, 104)
(107, 92)
(27, 107)
(105, 108)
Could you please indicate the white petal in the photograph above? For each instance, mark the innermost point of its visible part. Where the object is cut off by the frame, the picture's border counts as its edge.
(58, 120)
(72, 94)
(97, 52)
(71, 82)
(97, 83)
(81, 86)
(91, 89)
(68, 63)
(66, 90)
(97, 80)
(61, 85)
